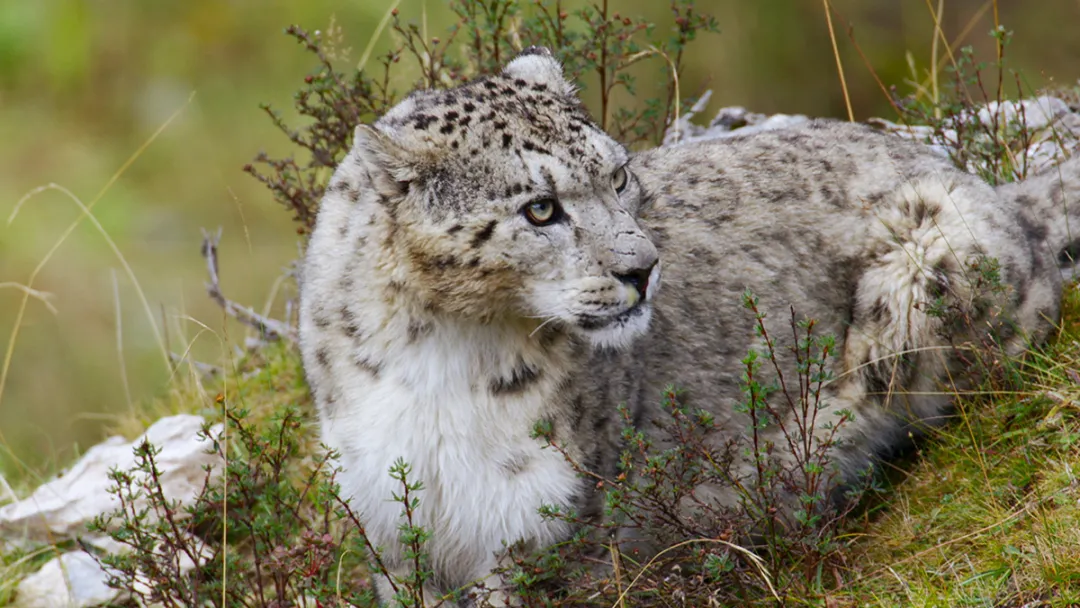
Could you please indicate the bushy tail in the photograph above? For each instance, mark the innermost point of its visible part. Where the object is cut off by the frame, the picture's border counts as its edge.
(1053, 200)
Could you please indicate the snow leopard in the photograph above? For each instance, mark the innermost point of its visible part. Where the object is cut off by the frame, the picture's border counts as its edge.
(486, 259)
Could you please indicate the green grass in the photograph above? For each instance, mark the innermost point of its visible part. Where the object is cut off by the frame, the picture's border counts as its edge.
(16, 564)
(986, 513)
(989, 513)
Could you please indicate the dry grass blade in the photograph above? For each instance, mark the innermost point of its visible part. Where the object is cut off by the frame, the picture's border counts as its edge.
(8, 354)
(675, 87)
(41, 296)
(839, 63)
(120, 344)
(10, 493)
(198, 369)
(376, 35)
(88, 214)
(617, 573)
(935, 86)
(974, 534)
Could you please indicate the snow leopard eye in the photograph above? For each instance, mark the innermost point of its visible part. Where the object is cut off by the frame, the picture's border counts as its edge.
(543, 212)
(619, 180)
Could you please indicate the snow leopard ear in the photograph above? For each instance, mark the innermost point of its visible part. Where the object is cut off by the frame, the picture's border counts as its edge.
(537, 65)
(388, 164)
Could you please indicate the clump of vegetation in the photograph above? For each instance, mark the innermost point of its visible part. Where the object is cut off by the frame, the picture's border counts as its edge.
(775, 541)
(268, 527)
(974, 120)
(597, 47)
(987, 514)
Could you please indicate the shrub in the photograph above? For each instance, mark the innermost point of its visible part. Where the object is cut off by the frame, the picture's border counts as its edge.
(270, 528)
(269, 531)
(597, 47)
(975, 123)
(776, 541)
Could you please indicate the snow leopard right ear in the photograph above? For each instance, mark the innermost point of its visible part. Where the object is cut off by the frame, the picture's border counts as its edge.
(537, 65)
(388, 164)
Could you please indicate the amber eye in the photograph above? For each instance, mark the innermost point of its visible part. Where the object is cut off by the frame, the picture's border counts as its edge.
(619, 180)
(542, 212)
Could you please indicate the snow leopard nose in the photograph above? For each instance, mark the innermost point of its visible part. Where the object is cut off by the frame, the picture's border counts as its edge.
(638, 279)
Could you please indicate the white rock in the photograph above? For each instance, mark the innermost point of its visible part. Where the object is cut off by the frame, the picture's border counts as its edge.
(1036, 113)
(1053, 128)
(64, 506)
(729, 122)
(73, 580)
(1053, 131)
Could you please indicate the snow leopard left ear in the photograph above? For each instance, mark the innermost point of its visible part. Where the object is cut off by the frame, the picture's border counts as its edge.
(537, 65)
(387, 163)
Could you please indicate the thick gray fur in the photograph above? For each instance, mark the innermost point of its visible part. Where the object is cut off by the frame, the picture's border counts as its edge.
(439, 325)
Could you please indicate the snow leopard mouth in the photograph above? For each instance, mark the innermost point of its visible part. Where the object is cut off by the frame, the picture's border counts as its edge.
(594, 323)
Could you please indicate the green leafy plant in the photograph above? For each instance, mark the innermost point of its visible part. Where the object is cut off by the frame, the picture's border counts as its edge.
(776, 540)
(970, 120)
(269, 529)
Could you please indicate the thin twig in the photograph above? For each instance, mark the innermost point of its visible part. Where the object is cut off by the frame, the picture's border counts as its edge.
(270, 329)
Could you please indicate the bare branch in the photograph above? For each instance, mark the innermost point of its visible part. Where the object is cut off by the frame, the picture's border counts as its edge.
(269, 329)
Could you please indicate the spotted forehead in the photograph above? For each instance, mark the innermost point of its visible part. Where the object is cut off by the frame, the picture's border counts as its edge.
(505, 116)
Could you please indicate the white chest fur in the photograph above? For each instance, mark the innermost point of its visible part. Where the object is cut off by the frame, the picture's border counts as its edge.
(431, 405)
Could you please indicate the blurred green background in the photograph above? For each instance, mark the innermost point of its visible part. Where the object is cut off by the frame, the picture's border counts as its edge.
(83, 84)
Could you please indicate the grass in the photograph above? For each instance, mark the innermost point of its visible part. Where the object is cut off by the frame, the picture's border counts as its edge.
(989, 513)
(986, 513)
(16, 564)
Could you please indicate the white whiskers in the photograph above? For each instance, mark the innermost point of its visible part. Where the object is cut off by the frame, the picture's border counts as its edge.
(545, 322)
